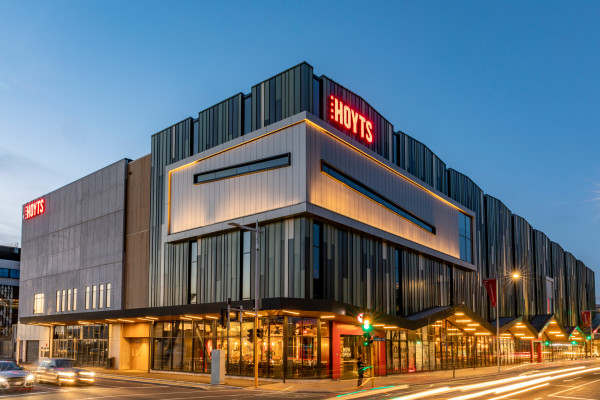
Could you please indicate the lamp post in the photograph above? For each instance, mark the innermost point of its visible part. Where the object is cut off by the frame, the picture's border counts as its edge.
(257, 231)
(515, 275)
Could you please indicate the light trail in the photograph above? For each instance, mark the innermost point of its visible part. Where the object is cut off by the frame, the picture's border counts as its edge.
(521, 385)
(513, 379)
(521, 391)
(424, 394)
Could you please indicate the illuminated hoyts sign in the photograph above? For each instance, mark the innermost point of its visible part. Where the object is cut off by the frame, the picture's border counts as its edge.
(34, 208)
(350, 119)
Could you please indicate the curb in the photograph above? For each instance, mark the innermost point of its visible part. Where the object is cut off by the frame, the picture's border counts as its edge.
(166, 382)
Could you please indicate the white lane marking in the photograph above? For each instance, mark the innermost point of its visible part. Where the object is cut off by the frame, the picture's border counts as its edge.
(566, 390)
(138, 394)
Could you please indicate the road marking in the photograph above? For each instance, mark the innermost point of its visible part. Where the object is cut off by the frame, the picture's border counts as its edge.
(573, 388)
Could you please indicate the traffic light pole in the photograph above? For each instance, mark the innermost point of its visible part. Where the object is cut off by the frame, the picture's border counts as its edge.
(257, 231)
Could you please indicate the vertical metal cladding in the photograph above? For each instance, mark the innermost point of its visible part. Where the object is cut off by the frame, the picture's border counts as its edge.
(168, 146)
(571, 285)
(219, 123)
(499, 250)
(463, 190)
(382, 129)
(557, 262)
(523, 287)
(282, 96)
(417, 159)
(542, 268)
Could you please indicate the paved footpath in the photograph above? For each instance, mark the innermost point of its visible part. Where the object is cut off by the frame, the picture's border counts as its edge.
(331, 386)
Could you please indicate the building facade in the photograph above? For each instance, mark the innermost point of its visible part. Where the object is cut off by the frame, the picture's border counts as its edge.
(10, 257)
(137, 261)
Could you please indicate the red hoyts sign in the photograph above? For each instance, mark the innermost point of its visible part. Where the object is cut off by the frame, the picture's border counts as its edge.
(34, 208)
(350, 119)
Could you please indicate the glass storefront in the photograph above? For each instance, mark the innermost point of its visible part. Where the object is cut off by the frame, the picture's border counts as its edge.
(291, 346)
(88, 344)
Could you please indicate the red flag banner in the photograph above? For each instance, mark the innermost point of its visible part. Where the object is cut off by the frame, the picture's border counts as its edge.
(490, 286)
(586, 318)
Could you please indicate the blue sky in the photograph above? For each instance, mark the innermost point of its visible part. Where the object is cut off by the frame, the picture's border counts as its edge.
(506, 92)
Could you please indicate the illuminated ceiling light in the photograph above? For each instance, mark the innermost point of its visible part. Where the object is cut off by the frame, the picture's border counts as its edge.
(111, 320)
(560, 334)
(520, 326)
(333, 316)
(211, 317)
(482, 333)
(459, 313)
(291, 312)
(470, 329)
(151, 318)
(437, 325)
(452, 329)
(193, 317)
(185, 318)
(527, 337)
(519, 334)
(145, 319)
(463, 320)
(378, 325)
(552, 322)
(472, 324)
(390, 327)
(124, 320)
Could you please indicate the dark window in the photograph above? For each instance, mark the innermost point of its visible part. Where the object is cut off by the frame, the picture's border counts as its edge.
(247, 111)
(464, 234)
(3, 273)
(14, 273)
(317, 273)
(246, 278)
(371, 194)
(316, 94)
(242, 169)
(397, 282)
(193, 289)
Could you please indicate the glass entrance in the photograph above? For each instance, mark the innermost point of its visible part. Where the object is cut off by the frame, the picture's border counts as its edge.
(351, 348)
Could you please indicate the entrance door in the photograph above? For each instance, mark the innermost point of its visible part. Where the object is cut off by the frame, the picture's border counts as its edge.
(139, 354)
(350, 350)
(33, 351)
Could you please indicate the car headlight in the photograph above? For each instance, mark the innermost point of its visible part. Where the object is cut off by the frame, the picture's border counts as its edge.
(2, 380)
(30, 377)
(69, 374)
(90, 374)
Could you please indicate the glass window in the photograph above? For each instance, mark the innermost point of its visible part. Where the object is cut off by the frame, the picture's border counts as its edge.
(14, 273)
(246, 279)
(108, 294)
(75, 299)
(376, 197)
(38, 303)
(64, 301)
(3, 273)
(94, 296)
(247, 114)
(193, 289)
(464, 235)
(317, 281)
(101, 297)
(241, 169)
(69, 297)
(58, 301)
(87, 297)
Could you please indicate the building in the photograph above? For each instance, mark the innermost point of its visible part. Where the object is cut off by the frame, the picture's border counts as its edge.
(10, 257)
(137, 261)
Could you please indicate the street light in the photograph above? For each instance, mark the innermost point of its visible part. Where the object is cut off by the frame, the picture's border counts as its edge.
(515, 275)
(256, 289)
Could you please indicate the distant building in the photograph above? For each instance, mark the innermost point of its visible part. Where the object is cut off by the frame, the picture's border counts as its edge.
(137, 260)
(10, 258)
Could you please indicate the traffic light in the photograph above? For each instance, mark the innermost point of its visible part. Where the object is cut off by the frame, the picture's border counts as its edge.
(259, 333)
(547, 343)
(367, 323)
(588, 337)
(367, 327)
(573, 342)
(250, 336)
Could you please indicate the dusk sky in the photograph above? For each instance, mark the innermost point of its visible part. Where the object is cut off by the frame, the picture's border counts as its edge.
(507, 93)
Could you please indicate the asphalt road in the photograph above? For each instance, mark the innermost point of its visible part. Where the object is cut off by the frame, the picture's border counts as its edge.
(579, 382)
(574, 383)
(114, 389)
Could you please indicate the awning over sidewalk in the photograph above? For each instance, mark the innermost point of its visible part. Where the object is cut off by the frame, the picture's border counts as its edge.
(461, 316)
(547, 324)
(518, 327)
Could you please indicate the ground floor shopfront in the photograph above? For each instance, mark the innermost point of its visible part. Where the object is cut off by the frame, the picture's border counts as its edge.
(297, 344)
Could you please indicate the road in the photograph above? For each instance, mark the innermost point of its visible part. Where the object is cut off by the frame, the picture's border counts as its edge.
(577, 382)
(114, 389)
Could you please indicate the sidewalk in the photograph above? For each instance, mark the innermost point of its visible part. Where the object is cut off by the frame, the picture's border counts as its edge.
(329, 386)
